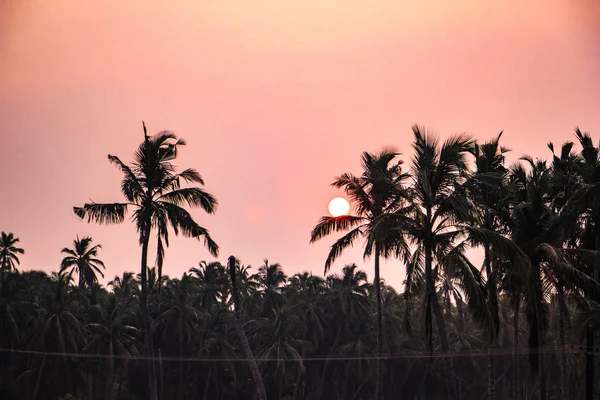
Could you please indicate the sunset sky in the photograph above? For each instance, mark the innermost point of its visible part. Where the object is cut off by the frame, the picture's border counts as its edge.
(275, 98)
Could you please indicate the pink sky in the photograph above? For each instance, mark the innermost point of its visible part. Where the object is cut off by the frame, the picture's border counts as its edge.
(274, 98)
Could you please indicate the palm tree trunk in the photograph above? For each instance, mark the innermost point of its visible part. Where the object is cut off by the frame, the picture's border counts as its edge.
(246, 351)
(148, 342)
(491, 286)
(207, 387)
(439, 319)
(562, 348)
(39, 378)
(1, 278)
(407, 305)
(597, 247)
(491, 374)
(516, 374)
(81, 278)
(181, 366)
(379, 366)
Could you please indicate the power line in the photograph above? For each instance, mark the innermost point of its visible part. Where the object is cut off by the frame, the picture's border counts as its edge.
(396, 356)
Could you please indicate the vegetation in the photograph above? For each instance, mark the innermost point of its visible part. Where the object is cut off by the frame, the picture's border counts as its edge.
(508, 326)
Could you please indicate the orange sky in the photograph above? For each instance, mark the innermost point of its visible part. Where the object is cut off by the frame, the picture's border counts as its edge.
(274, 98)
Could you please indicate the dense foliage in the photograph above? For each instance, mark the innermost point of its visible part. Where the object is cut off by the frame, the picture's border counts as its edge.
(511, 326)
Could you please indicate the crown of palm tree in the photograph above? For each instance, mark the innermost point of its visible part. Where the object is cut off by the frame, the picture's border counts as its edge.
(8, 251)
(82, 259)
(154, 189)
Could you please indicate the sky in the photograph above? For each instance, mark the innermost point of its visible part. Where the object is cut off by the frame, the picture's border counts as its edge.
(274, 98)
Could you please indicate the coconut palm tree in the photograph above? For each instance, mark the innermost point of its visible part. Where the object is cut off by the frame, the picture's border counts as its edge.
(125, 289)
(111, 335)
(179, 319)
(213, 283)
(271, 279)
(81, 259)
(58, 330)
(8, 254)
(440, 226)
(541, 231)
(378, 190)
(488, 189)
(586, 197)
(232, 267)
(153, 188)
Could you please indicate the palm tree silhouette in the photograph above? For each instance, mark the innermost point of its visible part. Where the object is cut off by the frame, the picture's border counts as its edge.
(82, 260)
(8, 254)
(375, 192)
(153, 188)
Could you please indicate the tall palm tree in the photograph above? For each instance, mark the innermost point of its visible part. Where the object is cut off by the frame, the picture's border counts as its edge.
(440, 227)
(153, 188)
(488, 189)
(8, 254)
(541, 231)
(378, 190)
(586, 198)
(82, 260)
(232, 266)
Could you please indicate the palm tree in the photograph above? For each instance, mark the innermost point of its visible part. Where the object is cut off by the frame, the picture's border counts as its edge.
(271, 278)
(58, 330)
(8, 254)
(232, 266)
(178, 320)
(378, 190)
(586, 198)
(153, 188)
(213, 283)
(440, 227)
(82, 260)
(125, 289)
(541, 231)
(280, 345)
(111, 336)
(488, 189)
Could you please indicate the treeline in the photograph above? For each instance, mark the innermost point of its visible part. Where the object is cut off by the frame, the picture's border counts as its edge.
(510, 328)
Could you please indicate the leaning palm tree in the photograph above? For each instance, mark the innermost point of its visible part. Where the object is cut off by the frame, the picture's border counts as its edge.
(232, 267)
(8, 254)
(153, 188)
(81, 259)
(378, 190)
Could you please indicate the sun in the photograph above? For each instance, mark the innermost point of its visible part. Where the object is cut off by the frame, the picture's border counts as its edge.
(338, 207)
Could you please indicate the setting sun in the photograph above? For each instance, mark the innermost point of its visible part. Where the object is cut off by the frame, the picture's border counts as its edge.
(338, 207)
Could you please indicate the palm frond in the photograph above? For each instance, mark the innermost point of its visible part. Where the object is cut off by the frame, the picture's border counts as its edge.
(342, 243)
(131, 187)
(328, 225)
(181, 220)
(193, 197)
(112, 213)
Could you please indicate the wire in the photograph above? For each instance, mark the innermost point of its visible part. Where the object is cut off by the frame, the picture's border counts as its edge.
(396, 356)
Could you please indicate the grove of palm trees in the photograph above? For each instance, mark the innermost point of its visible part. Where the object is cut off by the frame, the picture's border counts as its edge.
(500, 298)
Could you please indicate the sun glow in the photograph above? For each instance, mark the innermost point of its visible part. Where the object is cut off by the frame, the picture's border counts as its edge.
(338, 207)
